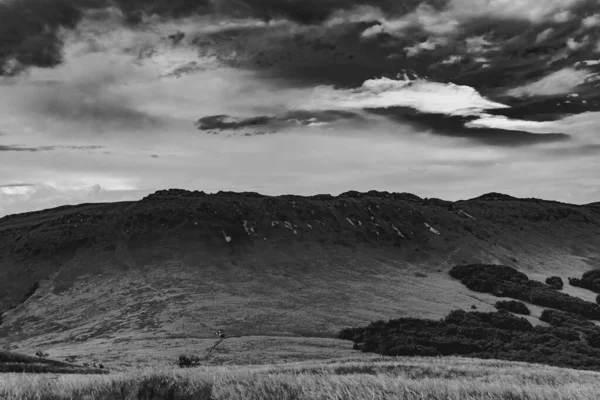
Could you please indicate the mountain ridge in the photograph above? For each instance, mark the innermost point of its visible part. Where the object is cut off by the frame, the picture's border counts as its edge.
(351, 193)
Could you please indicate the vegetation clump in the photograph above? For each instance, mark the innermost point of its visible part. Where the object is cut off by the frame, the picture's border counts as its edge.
(41, 354)
(555, 282)
(504, 281)
(188, 361)
(570, 340)
(590, 280)
(514, 306)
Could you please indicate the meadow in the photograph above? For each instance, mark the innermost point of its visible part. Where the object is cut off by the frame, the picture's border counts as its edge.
(448, 378)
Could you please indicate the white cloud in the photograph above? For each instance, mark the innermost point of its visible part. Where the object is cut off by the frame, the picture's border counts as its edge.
(430, 44)
(574, 45)
(544, 35)
(422, 95)
(452, 59)
(591, 21)
(500, 122)
(477, 44)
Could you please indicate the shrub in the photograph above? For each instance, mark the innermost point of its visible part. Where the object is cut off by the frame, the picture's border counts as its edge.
(504, 281)
(188, 361)
(41, 354)
(590, 280)
(514, 306)
(555, 281)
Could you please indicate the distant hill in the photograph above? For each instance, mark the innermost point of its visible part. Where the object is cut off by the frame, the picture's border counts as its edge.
(180, 264)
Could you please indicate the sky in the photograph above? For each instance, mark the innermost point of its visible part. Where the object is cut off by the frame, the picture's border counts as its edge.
(111, 100)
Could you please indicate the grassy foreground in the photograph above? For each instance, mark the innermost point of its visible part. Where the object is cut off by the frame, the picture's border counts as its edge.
(389, 378)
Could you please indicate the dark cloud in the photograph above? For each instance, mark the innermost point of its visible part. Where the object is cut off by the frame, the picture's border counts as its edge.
(222, 122)
(315, 11)
(25, 149)
(313, 55)
(29, 30)
(454, 126)
(549, 108)
(18, 148)
(17, 185)
(342, 56)
(260, 125)
(135, 10)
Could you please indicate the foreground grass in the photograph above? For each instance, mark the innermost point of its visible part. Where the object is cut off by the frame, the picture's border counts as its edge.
(400, 378)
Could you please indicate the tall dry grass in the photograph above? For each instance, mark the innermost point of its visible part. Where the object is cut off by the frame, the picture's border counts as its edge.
(400, 378)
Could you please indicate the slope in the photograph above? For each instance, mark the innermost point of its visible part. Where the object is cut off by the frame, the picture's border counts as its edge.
(178, 266)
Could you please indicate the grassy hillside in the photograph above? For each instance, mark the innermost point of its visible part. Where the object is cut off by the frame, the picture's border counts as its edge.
(112, 280)
(378, 379)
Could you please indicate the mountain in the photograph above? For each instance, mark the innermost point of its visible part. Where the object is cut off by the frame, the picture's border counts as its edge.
(176, 266)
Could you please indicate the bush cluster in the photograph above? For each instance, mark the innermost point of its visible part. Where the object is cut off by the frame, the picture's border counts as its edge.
(41, 354)
(188, 361)
(504, 281)
(513, 306)
(555, 282)
(590, 280)
(571, 341)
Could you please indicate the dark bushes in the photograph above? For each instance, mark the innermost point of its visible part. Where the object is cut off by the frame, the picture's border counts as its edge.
(504, 281)
(555, 282)
(590, 280)
(41, 354)
(188, 361)
(513, 306)
(570, 341)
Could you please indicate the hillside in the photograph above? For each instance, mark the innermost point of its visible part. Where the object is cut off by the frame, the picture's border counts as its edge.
(169, 270)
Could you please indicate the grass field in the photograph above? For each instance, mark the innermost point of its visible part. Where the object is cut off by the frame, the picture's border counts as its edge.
(381, 378)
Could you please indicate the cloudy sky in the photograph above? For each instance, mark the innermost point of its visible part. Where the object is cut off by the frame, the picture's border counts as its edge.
(108, 100)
